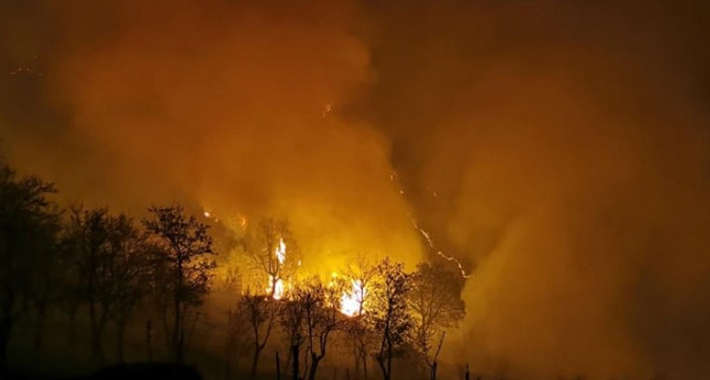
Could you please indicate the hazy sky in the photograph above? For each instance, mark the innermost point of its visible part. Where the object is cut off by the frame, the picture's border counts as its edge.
(559, 149)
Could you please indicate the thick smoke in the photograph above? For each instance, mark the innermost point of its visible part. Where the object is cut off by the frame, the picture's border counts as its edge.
(560, 150)
(565, 149)
(234, 105)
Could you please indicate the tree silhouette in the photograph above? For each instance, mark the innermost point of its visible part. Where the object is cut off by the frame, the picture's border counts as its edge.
(182, 247)
(321, 316)
(436, 305)
(237, 338)
(361, 274)
(308, 317)
(387, 313)
(261, 313)
(290, 320)
(267, 254)
(29, 226)
(128, 271)
(90, 231)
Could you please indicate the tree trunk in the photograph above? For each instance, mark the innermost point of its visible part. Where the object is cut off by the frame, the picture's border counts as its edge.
(294, 353)
(278, 367)
(39, 334)
(5, 331)
(166, 329)
(314, 367)
(96, 332)
(364, 364)
(383, 367)
(120, 329)
(356, 367)
(178, 332)
(180, 351)
(176, 341)
(255, 361)
(287, 365)
(149, 339)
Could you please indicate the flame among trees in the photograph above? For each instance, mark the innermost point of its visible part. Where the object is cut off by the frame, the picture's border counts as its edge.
(112, 267)
(382, 311)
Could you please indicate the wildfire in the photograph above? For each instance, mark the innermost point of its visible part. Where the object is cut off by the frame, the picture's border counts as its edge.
(278, 288)
(351, 302)
(394, 177)
(281, 252)
(438, 251)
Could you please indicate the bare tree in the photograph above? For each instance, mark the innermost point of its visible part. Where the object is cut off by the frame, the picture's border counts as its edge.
(128, 271)
(29, 226)
(361, 274)
(436, 305)
(70, 282)
(109, 256)
(90, 232)
(321, 316)
(290, 320)
(387, 313)
(261, 313)
(182, 246)
(273, 251)
(309, 317)
(237, 339)
(361, 338)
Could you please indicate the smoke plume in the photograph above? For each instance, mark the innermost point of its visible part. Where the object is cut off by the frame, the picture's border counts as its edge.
(559, 150)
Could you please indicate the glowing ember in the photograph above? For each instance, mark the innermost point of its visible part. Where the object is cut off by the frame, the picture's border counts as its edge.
(394, 177)
(327, 109)
(243, 222)
(351, 302)
(438, 251)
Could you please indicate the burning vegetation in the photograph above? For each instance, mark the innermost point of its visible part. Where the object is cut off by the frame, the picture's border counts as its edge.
(163, 269)
(394, 188)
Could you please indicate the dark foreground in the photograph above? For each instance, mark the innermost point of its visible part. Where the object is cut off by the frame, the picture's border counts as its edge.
(133, 371)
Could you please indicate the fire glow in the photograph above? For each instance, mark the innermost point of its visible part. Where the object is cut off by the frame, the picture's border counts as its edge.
(351, 302)
(278, 289)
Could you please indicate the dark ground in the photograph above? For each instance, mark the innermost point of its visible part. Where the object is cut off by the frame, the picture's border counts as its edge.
(133, 371)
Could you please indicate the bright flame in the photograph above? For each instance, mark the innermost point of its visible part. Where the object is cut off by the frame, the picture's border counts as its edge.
(351, 302)
(281, 251)
(278, 289)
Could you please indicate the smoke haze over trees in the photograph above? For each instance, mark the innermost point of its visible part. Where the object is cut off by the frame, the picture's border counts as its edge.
(558, 150)
(59, 263)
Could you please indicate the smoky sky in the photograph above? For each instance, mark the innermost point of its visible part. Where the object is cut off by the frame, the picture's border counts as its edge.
(559, 149)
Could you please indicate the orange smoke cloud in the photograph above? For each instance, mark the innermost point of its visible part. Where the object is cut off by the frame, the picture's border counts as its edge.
(238, 107)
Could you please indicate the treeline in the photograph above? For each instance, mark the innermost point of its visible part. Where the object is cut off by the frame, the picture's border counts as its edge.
(113, 268)
(109, 263)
